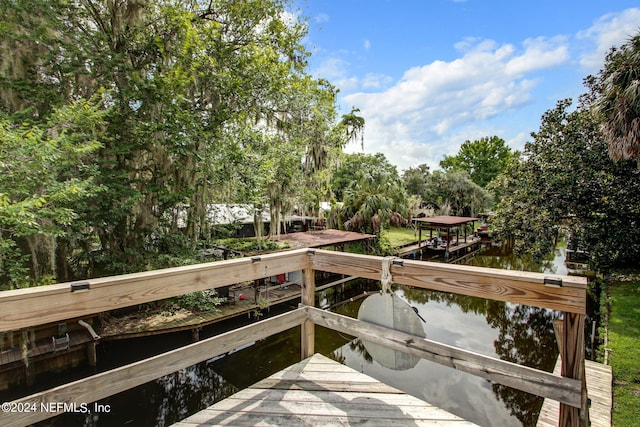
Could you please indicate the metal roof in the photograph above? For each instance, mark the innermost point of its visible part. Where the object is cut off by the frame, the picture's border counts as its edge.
(445, 220)
(320, 238)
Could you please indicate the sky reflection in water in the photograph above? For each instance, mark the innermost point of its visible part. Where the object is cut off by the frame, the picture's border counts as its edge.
(462, 394)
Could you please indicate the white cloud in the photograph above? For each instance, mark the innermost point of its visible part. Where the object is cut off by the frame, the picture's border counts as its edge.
(332, 68)
(433, 108)
(612, 29)
(366, 44)
(375, 81)
(336, 69)
(539, 53)
(347, 83)
(489, 89)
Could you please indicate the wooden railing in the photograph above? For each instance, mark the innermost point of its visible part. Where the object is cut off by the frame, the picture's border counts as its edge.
(34, 306)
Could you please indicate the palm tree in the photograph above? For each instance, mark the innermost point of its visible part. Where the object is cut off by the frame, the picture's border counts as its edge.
(373, 198)
(617, 104)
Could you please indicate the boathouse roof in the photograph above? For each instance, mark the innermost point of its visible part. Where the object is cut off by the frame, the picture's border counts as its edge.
(445, 220)
(322, 238)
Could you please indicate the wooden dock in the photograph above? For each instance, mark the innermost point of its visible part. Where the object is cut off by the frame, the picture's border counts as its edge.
(599, 391)
(321, 391)
(457, 249)
(325, 395)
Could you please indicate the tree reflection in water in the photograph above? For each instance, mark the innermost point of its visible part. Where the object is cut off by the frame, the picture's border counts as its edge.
(187, 391)
(525, 336)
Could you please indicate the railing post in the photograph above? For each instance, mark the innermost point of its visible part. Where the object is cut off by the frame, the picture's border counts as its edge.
(307, 338)
(572, 359)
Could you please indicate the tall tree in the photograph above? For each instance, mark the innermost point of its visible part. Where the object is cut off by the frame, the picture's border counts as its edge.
(451, 192)
(456, 194)
(46, 176)
(617, 89)
(180, 81)
(354, 165)
(567, 178)
(415, 179)
(482, 159)
(326, 137)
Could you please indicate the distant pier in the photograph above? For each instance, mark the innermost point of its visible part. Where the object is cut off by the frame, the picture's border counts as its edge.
(450, 237)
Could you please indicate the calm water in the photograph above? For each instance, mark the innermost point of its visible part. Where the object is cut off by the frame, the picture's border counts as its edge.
(503, 258)
(507, 331)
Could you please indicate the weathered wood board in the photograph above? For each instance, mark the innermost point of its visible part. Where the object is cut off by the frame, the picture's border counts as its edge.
(320, 391)
(599, 389)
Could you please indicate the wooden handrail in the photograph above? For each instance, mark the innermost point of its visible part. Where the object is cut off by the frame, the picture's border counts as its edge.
(27, 307)
(519, 287)
(23, 308)
(105, 384)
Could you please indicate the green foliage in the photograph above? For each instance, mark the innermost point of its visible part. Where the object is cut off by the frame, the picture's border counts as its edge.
(456, 190)
(373, 193)
(206, 300)
(383, 246)
(46, 178)
(202, 103)
(324, 141)
(449, 193)
(13, 271)
(353, 126)
(352, 166)
(483, 159)
(416, 180)
(566, 177)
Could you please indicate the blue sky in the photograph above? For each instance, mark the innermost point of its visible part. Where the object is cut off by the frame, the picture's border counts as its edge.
(428, 75)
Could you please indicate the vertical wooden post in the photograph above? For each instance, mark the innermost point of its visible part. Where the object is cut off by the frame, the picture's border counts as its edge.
(573, 367)
(30, 373)
(92, 356)
(558, 328)
(308, 336)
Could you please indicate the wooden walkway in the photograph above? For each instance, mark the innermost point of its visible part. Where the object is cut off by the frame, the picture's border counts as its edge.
(321, 392)
(599, 390)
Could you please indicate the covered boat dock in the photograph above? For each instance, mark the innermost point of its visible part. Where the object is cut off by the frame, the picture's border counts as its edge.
(447, 234)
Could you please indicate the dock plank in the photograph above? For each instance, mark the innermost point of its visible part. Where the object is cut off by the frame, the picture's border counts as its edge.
(320, 391)
(599, 390)
(258, 419)
(317, 385)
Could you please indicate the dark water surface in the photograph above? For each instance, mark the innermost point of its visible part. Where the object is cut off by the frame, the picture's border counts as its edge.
(511, 332)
